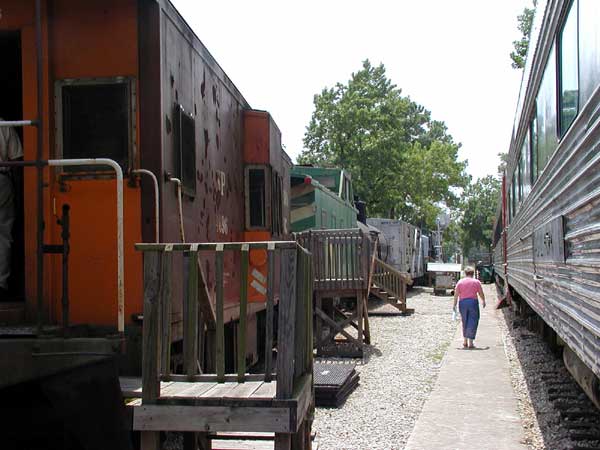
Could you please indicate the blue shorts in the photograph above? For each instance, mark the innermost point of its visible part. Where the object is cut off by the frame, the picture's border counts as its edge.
(469, 312)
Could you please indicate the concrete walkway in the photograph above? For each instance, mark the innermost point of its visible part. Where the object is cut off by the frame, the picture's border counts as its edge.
(472, 405)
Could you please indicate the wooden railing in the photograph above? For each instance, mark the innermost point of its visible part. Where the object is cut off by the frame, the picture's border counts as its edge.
(294, 291)
(340, 258)
(392, 281)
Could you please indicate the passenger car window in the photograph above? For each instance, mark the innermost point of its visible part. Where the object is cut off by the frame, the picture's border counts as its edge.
(569, 70)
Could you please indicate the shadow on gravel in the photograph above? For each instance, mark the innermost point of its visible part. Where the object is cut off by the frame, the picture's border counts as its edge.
(567, 419)
(370, 351)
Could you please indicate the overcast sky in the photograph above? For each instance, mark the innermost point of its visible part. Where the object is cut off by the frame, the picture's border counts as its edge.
(451, 56)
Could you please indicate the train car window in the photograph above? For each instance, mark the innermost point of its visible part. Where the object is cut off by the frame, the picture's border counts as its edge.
(525, 167)
(514, 193)
(185, 149)
(589, 49)
(95, 120)
(508, 206)
(519, 170)
(569, 71)
(533, 148)
(546, 113)
(276, 203)
(256, 198)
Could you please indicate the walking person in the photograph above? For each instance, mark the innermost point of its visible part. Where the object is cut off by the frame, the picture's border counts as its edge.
(465, 294)
(10, 150)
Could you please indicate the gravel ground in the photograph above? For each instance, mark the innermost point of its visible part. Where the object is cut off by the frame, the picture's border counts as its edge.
(396, 376)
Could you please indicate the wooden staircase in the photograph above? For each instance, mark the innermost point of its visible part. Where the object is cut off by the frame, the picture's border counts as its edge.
(389, 284)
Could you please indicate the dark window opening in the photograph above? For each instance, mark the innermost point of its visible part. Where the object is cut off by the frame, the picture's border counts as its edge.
(257, 197)
(185, 150)
(96, 121)
(11, 108)
(276, 203)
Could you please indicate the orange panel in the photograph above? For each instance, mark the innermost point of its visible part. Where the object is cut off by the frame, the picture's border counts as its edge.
(95, 38)
(81, 47)
(257, 278)
(93, 257)
(256, 137)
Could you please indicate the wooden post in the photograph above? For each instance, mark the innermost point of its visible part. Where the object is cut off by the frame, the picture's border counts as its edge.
(300, 314)
(190, 332)
(165, 311)
(190, 317)
(318, 321)
(157, 281)
(286, 336)
(241, 334)
(359, 307)
(220, 335)
(270, 312)
(287, 324)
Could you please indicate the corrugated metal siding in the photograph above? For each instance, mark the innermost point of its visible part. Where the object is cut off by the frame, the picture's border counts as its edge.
(554, 239)
(565, 293)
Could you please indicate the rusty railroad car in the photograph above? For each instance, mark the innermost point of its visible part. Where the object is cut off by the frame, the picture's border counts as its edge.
(547, 239)
(130, 81)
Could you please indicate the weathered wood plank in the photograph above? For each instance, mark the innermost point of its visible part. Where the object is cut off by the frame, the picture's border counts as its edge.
(175, 388)
(210, 377)
(211, 418)
(190, 317)
(206, 305)
(287, 324)
(194, 390)
(269, 313)
(299, 316)
(220, 390)
(243, 390)
(220, 341)
(165, 319)
(153, 280)
(241, 332)
(265, 391)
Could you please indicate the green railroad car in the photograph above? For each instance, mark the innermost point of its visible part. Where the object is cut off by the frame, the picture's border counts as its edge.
(322, 198)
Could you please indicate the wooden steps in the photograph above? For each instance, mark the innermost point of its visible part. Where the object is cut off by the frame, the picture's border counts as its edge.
(382, 294)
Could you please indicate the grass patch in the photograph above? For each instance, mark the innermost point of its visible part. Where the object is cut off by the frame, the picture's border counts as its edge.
(438, 354)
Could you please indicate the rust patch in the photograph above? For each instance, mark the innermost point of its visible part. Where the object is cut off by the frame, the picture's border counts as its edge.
(168, 124)
(206, 141)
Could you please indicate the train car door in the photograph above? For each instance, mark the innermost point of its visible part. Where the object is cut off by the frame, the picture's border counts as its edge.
(11, 108)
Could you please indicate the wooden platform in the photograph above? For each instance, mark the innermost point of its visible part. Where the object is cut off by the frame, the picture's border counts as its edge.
(207, 406)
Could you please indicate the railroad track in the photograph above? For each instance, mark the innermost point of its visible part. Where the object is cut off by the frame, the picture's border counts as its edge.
(567, 418)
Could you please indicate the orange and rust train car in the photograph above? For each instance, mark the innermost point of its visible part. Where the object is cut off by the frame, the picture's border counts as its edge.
(130, 81)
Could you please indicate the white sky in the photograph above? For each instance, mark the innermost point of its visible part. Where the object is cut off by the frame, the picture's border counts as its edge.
(451, 56)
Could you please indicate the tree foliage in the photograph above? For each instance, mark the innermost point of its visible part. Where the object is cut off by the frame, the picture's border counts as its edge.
(525, 22)
(402, 162)
(479, 204)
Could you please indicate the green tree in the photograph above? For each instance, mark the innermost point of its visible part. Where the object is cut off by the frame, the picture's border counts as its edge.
(525, 22)
(403, 163)
(479, 204)
(503, 163)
